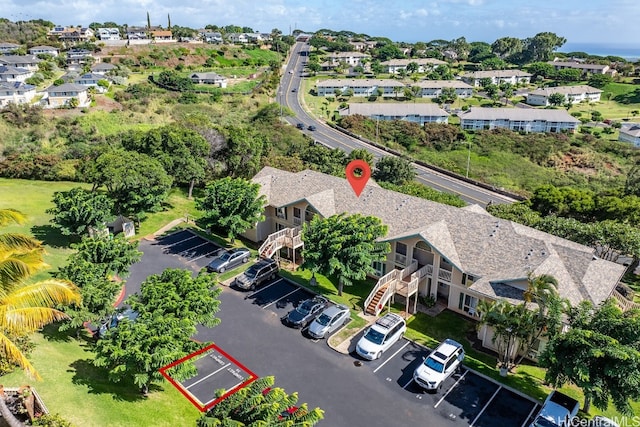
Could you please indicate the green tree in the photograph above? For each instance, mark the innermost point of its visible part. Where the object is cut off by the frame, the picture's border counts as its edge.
(231, 204)
(599, 353)
(599, 80)
(569, 75)
(447, 95)
(245, 148)
(135, 182)
(494, 63)
(26, 307)
(181, 150)
(78, 210)
(260, 404)
(507, 46)
(325, 160)
(394, 170)
(557, 99)
(542, 46)
(542, 69)
(412, 67)
(362, 154)
(632, 183)
(344, 246)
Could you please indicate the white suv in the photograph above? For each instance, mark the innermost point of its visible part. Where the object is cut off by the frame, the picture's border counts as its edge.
(381, 335)
(439, 365)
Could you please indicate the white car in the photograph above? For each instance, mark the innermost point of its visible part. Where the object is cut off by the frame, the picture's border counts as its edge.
(380, 336)
(439, 365)
(329, 321)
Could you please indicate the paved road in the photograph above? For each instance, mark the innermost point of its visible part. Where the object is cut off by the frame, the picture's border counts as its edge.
(292, 79)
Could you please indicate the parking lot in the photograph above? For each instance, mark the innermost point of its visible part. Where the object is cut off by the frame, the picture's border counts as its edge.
(379, 392)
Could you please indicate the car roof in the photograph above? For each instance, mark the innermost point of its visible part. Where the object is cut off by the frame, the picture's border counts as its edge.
(234, 250)
(447, 348)
(387, 321)
(333, 310)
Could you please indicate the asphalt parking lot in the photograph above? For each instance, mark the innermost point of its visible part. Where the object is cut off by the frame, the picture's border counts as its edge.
(376, 393)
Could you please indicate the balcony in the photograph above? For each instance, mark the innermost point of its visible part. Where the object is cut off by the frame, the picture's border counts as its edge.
(444, 275)
(401, 259)
(297, 221)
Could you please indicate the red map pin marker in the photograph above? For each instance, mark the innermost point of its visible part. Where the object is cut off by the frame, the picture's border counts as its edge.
(358, 182)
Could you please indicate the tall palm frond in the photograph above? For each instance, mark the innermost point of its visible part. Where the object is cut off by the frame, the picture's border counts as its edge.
(20, 257)
(11, 215)
(9, 350)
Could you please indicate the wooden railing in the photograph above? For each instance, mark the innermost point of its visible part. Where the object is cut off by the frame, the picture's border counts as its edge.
(444, 275)
(387, 278)
(624, 303)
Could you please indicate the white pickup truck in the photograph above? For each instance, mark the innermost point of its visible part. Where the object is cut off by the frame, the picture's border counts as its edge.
(558, 410)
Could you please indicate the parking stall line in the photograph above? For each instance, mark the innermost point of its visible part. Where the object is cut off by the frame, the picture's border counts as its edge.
(392, 356)
(266, 287)
(485, 407)
(230, 388)
(205, 255)
(211, 374)
(281, 298)
(181, 241)
(530, 415)
(192, 248)
(451, 388)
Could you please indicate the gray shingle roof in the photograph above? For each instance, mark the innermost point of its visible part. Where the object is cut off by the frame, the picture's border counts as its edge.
(496, 73)
(493, 250)
(67, 87)
(523, 114)
(419, 61)
(395, 109)
(360, 83)
(566, 90)
(633, 130)
(437, 84)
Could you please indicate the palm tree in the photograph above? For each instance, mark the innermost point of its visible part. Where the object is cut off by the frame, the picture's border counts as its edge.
(26, 307)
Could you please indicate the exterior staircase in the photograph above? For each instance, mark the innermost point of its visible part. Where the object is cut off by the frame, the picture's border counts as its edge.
(403, 282)
(286, 238)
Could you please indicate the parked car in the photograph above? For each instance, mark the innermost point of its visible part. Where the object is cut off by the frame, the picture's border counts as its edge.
(439, 365)
(377, 339)
(226, 260)
(311, 127)
(257, 274)
(115, 319)
(332, 318)
(600, 421)
(294, 90)
(305, 312)
(558, 410)
(300, 126)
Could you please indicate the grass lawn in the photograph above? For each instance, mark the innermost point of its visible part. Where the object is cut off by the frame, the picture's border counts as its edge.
(81, 393)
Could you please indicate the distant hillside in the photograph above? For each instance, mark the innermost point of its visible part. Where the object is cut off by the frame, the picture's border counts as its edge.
(24, 32)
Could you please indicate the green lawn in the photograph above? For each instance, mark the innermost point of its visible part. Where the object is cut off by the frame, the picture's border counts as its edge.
(81, 393)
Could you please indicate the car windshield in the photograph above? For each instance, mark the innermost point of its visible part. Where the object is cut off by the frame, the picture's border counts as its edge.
(251, 272)
(324, 319)
(305, 307)
(225, 256)
(374, 336)
(434, 364)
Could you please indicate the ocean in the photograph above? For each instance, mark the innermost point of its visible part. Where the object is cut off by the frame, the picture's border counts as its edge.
(630, 52)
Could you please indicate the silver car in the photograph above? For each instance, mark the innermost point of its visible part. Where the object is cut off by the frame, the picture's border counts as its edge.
(227, 260)
(330, 320)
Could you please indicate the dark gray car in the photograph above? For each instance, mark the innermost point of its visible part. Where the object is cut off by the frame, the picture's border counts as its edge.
(257, 274)
(227, 260)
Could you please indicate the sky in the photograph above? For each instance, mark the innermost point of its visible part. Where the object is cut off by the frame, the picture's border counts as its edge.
(613, 22)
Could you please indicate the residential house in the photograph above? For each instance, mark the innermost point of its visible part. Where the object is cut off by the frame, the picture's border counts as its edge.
(358, 46)
(212, 37)
(630, 133)
(74, 35)
(56, 31)
(28, 62)
(44, 50)
(394, 66)
(497, 77)
(519, 120)
(76, 58)
(237, 38)
(352, 59)
(8, 48)
(61, 96)
(14, 74)
(162, 36)
(91, 80)
(209, 79)
(137, 33)
(433, 88)
(16, 93)
(572, 94)
(420, 113)
(361, 87)
(585, 68)
(102, 68)
(108, 34)
(458, 256)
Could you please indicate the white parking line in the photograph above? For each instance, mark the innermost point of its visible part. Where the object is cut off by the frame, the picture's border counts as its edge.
(205, 255)
(230, 388)
(485, 407)
(192, 248)
(385, 362)
(273, 302)
(204, 378)
(450, 388)
(266, 287)
(181, 241)
(530, 415)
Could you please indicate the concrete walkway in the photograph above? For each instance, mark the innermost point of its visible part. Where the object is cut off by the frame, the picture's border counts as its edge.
(166, 228)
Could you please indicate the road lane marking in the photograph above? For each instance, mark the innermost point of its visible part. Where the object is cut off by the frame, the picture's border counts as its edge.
(450, 388)
(265, 288)
(392, 356)
(485, 407)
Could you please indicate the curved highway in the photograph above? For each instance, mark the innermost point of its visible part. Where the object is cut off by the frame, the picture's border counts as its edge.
(289, 96)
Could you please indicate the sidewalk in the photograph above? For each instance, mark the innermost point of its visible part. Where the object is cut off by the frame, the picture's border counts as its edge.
(166, 228)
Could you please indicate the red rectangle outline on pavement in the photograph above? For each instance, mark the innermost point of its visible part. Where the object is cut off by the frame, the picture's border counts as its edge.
(192, 399)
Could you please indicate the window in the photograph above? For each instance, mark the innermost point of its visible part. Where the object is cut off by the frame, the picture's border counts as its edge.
(401, 254)
(468, 304)
(281, 212)
(380, 268)
(296, 212)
